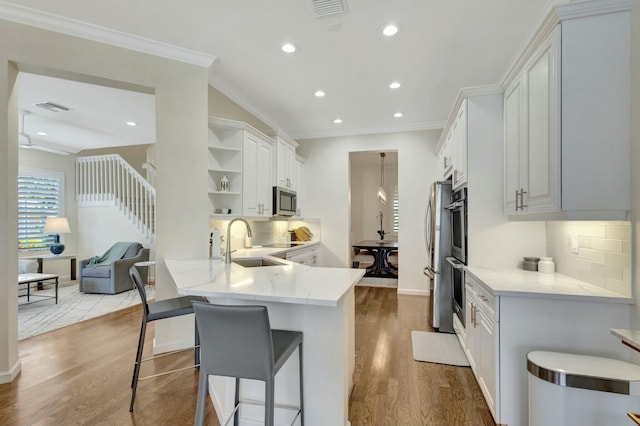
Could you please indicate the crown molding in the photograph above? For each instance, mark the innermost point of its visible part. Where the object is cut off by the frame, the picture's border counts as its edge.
(464, 93)
(231, 93)
(355, 131)
(60, 24)
(555, 14)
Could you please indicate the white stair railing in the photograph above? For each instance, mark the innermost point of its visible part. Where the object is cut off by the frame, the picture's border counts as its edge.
(110, 180)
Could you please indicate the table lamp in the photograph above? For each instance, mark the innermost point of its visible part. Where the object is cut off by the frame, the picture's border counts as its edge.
(57, 226)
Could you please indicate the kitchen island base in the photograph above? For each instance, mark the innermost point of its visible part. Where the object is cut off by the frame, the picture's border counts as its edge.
(328, 359)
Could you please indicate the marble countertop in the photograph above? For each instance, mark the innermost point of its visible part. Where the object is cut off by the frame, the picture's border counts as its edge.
(630, 337)
(288, 283)
(270, 251)
(516, 282)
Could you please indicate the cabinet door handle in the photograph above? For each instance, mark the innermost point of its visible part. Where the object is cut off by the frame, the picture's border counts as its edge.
(517, 195)
(475, 316)
(522, 204)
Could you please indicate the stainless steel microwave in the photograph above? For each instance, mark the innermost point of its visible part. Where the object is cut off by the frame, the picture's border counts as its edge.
(284, 201)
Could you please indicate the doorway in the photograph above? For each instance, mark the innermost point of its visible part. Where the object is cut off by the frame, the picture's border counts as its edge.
(374, 178)
(60, 120)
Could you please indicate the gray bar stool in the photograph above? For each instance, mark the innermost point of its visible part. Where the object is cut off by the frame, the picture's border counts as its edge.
(153, 311)
(237, 341)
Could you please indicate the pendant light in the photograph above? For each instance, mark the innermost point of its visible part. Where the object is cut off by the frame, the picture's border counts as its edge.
(382, 195)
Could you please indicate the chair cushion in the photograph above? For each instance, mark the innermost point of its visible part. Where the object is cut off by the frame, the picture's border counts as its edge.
(97, 272)
(169, 308)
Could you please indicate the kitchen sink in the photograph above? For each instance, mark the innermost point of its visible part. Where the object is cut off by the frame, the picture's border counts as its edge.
(256, 262)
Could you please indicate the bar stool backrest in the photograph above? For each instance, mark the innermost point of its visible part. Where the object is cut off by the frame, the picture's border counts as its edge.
(137, 280)
(235, 341)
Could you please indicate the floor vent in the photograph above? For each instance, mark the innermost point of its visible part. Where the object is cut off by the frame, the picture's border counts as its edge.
(322, 8)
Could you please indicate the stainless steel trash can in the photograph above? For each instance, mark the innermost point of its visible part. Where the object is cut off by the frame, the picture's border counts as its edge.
(569, 389)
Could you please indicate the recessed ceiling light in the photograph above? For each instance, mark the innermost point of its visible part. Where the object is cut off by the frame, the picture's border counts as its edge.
(42, 133)
(397, 115)
(337, 121)
(319, 93)
(394, 85)
(288, 48)
(131, 123)
(390, 30)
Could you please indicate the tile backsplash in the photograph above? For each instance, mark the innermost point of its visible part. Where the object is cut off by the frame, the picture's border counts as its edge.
(603, 255)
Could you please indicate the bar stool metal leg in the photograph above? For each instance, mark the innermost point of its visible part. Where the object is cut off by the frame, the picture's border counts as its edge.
(236, 415)
(136, 367)
(301, 394)
(269, 401)
(203, 387)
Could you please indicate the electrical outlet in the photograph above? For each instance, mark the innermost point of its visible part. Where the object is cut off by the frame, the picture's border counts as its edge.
(575, 246)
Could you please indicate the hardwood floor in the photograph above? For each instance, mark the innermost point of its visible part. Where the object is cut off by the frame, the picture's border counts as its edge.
(393, 389)
(81, 375)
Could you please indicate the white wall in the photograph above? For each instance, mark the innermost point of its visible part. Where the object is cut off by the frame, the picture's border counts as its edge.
(181, 115)
(365, 207)
(494, 241)
(635, 161)
(65, 164)
(328, 195)
(101, 227)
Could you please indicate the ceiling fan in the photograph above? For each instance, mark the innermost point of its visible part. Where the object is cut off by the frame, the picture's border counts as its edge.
(24, 139)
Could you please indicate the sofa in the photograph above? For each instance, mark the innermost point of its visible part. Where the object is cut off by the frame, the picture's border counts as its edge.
(27, 266)
(113, 278)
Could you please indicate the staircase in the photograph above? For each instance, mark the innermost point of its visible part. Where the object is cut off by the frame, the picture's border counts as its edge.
(108, 180)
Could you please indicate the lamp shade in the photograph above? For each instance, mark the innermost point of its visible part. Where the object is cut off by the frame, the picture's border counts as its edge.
(57, 225)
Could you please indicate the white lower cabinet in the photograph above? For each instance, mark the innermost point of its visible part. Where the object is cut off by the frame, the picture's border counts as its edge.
(305, 256)
(479, 339)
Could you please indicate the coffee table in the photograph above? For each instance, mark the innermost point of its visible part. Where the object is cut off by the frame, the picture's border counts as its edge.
(40, 280)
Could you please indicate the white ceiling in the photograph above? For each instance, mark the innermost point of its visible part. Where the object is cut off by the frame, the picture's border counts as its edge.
(96, 119)
(442, 45)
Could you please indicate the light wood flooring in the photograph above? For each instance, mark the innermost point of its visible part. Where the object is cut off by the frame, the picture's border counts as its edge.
(81, 374)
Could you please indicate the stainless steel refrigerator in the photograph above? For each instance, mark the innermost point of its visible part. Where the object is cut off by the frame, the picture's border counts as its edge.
(438, 242)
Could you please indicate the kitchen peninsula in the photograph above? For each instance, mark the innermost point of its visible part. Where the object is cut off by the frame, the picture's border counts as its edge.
(317, 301)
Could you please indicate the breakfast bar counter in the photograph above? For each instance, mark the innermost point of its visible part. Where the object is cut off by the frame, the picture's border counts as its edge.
(317, 301)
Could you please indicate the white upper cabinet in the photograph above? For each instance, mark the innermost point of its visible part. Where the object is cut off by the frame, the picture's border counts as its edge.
(452, 156)
(244, 156)
(299, 179)
(567, 118)
(531, 138)
(257, 171)
(285, 157)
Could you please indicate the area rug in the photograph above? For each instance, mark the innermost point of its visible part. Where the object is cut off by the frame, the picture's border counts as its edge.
(73, 306)
(439, 348)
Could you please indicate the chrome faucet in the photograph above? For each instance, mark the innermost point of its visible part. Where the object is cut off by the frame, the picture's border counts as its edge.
(227, 253)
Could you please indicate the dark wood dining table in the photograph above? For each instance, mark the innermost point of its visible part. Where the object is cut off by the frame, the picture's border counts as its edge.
(380, 250)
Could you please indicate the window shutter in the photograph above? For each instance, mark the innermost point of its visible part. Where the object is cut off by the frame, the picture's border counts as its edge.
(38, 198)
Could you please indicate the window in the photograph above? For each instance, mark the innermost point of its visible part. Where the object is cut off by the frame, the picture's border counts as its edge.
(395, 211)
(40, 195)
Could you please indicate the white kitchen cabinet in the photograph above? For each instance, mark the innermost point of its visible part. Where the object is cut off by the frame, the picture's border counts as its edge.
(245, 156)
(532, 140)
(480, 341)
(510, 313)
(299, 180)
(459, 139)
(566, 118)
(257, 171)
(304, 255)
(224, 151)
(285, 157)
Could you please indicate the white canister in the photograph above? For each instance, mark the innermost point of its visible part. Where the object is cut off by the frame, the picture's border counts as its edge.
(546, 265)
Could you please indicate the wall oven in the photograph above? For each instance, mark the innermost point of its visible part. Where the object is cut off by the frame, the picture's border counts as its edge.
(458, 210)
(457, 287)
